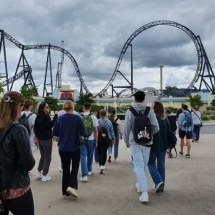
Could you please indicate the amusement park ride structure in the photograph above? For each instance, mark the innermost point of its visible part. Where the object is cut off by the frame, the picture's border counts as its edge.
(203, 79)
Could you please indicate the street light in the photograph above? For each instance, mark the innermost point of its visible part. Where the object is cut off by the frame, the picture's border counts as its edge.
(161, 65)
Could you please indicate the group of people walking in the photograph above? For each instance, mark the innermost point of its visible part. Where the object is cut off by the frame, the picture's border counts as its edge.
(78, 136)
(151, 154)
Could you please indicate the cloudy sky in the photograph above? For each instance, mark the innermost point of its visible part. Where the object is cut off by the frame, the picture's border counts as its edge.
(94, 32)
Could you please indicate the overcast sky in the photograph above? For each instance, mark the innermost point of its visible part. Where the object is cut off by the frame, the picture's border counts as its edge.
(94, 32)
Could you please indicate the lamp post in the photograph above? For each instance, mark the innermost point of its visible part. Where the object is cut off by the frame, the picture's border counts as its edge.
(161, 65)
(131, 68)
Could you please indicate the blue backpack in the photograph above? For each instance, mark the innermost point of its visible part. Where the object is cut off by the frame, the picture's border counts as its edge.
(187, 123)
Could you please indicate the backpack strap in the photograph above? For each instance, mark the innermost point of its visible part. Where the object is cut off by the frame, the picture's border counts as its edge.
(116, 120)
(29, 115)
(133, 111)
(146, 112)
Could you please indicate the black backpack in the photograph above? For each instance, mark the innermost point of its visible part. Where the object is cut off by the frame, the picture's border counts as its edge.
(115, 126)
(172, 141)
(103, 134)
(142, 126)
(24, 121)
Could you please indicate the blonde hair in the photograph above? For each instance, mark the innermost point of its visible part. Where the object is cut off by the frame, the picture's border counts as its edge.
(8, 108)
(68, 105)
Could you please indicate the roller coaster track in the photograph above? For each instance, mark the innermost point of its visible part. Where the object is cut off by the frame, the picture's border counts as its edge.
(57, 48)
(16, 77)
(150, 25)
(196, 40)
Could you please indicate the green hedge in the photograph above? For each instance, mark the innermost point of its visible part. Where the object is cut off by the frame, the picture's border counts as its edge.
(212, 117)
(205, 118)
(173, 110)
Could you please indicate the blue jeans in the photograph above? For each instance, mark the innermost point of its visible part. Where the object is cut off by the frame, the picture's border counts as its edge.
(116, 148)
(196, 132)
(87, 151)
(157, 172)
(140, 156)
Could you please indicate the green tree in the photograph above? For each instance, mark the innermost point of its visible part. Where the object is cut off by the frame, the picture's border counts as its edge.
(170, 89)
(213, 102)
(85, 98)
(213, 92)
(52, 102)
(28, 95)
(195, 100)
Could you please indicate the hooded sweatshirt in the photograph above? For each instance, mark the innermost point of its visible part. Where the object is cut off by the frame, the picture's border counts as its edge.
(129, 124)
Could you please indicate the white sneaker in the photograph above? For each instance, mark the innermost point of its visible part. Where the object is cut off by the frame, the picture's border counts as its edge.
(90, 173)
(72, 192)
(60, 169)
(144, 197)
(137, 186)
(84, 179)
(46, 178)
(115, 160)
(39, 175)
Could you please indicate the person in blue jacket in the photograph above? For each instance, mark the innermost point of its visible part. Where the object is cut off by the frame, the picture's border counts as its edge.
(103, 146)
(67, 128)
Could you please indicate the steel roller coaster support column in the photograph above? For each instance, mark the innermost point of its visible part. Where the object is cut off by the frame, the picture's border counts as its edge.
(48, 64)
(2, 43)
(132, 83)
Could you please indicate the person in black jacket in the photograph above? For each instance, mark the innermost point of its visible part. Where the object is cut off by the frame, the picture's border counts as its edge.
(43, 132)
(173, 127)
(16, 158)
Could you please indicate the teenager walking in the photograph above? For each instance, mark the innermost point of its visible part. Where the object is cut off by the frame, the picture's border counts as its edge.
(16, 158)
(43, 131)
(68, 128)
(157, 156)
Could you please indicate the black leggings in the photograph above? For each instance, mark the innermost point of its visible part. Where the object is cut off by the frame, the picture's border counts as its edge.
(102, 152)
(70, 176)
(21, 205)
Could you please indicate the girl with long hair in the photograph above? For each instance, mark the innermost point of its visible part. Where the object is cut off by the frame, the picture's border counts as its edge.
(16, 158)
(43, 132)
(157, 156)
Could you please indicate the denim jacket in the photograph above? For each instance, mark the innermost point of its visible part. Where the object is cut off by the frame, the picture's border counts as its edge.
(108, 125)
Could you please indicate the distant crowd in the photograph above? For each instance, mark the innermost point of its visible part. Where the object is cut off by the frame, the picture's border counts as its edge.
(149, 132)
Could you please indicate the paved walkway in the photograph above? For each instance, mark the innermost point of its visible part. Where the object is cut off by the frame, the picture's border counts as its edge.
(190, 187)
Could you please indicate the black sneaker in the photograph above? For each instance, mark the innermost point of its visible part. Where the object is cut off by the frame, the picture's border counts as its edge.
(159, 188)
(109, 159)
(181, 153)
(187, 155)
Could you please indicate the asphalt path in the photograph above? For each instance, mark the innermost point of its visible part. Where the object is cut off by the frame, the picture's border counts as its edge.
(208, 129)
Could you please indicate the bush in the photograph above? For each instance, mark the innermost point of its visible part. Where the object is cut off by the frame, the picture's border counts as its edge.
(173, 110)
(212, 117)
(210, 108)
(205, 118)
(208, 112)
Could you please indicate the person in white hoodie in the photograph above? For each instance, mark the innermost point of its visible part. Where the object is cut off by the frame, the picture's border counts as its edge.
(140, 153)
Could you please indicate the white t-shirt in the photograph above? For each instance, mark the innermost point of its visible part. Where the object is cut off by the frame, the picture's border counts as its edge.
(61, 112)
(95, 124)
(31, 121)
